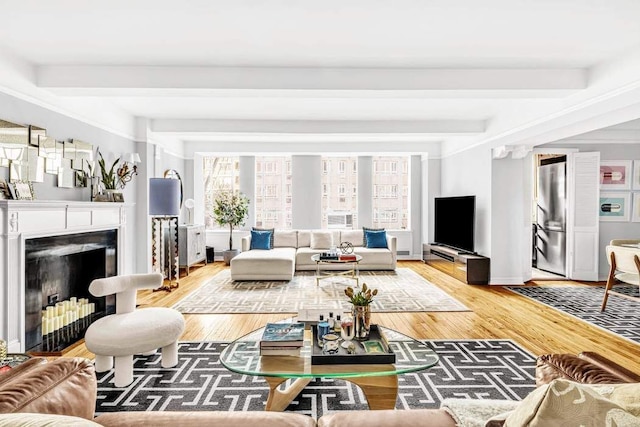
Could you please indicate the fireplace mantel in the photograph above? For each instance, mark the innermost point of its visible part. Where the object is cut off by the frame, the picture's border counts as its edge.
(26, 219)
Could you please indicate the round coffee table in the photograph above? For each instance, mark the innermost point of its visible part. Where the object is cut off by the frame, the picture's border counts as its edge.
(350, 269)
(378, 382)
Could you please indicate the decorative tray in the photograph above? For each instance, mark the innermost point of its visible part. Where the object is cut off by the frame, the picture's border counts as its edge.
(373, 351)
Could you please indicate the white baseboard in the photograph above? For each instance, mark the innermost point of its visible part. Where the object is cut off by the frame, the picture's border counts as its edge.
(409, 257)
(506, 281)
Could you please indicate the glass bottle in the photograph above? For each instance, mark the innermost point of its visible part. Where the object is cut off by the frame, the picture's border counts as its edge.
(331, 321)
(337, 327)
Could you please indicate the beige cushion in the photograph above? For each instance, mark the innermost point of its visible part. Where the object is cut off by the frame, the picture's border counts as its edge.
(374, 256)
(355, 237)
(285, 239)
(43, 420)
(304, 238)
(303, 257)
(276, 264)
(321, 239)
(569, 404)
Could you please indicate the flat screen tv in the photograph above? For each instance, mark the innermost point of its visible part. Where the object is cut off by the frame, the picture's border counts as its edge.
(454, 224)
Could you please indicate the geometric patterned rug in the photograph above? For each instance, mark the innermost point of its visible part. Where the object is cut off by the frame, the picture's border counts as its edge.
(621, 316)
(402, 290)
(475, 369)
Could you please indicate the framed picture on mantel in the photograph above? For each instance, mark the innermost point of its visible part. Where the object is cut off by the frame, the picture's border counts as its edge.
(23, 190)
(5, 191)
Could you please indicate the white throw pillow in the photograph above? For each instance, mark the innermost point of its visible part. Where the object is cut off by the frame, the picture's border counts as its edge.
(285, 239)
(321, 240)
(352, 236)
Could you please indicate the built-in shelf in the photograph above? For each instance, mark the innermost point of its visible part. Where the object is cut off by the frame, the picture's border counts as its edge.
(469, 268)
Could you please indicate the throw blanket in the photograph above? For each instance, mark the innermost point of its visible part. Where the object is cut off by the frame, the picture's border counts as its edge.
(476, 412)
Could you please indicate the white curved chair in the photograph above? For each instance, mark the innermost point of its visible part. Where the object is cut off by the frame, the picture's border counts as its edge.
(624, 262)
(132, 331)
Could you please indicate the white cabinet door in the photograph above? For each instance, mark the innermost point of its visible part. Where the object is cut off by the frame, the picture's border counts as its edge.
(583, 227)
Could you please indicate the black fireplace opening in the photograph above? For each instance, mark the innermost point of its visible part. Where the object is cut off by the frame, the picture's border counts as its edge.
(58, 271)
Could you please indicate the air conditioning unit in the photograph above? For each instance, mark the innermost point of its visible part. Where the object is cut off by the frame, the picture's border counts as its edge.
(340, 220)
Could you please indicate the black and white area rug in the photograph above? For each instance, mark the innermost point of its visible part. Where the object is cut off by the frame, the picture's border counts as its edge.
(477, 369)
(622, 316)
(402, 290)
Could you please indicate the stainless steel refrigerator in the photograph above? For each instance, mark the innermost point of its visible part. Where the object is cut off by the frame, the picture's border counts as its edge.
(551, 237)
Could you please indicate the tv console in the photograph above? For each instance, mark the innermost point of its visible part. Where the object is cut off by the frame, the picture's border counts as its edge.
(464, 266)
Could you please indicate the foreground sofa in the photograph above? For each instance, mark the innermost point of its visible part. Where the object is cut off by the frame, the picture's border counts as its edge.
(292, 251)
(38, 392)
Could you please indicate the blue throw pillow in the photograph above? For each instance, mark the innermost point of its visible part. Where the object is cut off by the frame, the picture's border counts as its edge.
(260, 239)
(376, 239)
(272, 230)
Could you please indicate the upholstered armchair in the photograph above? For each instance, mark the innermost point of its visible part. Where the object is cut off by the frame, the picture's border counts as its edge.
(132, 331)
(624, 266)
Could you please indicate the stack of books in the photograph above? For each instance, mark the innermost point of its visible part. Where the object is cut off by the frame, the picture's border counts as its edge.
(282, 339)
(327, 256)
(347, 257)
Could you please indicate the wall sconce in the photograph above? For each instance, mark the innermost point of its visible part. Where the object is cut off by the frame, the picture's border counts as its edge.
(128, 169)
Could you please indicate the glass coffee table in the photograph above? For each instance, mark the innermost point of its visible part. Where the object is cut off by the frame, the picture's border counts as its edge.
(350, 269)
(379, 383)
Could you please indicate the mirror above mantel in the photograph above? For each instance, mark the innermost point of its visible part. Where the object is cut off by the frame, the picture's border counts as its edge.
(29, 153)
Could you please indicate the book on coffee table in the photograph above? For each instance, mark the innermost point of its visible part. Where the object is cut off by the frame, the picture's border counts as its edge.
(282, 335)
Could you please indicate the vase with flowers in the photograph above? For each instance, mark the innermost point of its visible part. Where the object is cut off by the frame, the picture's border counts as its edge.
(361, 310)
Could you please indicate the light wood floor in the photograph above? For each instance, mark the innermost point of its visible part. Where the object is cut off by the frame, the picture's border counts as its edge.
(496, 313)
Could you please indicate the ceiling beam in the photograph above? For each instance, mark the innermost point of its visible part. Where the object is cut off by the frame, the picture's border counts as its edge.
(258, 147)
(431, 127)
(81, 80)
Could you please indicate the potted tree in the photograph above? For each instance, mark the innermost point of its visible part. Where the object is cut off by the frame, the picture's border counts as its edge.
(230, 208)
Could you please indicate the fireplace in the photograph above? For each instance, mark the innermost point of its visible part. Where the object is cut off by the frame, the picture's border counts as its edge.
(58, 271)
(22, 221)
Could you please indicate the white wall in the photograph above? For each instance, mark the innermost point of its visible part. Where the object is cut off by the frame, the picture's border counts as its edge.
(306, 192)
(415, 200)
(365, 191)
(431, 170)
(247, 187)
(508, 219)
(469, 174)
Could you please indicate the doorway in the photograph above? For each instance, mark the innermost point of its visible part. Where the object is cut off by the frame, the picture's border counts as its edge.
(549, 219)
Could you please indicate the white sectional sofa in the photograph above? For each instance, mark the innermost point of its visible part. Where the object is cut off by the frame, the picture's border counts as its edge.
(292, 250)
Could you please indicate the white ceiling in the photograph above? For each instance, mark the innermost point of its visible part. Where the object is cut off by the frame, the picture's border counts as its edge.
(510, 64)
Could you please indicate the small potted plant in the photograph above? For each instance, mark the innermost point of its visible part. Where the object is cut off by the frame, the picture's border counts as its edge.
(230, 209)
(108, 175)
(361, 310)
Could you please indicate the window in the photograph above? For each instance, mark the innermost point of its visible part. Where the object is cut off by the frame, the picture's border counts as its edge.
(272, 209)
(270, 190)
(385, 191)
(391, 192)
(220, 174)
(339, 206)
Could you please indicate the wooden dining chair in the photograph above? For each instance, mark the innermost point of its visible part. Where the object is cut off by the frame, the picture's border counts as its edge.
(624, 266)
